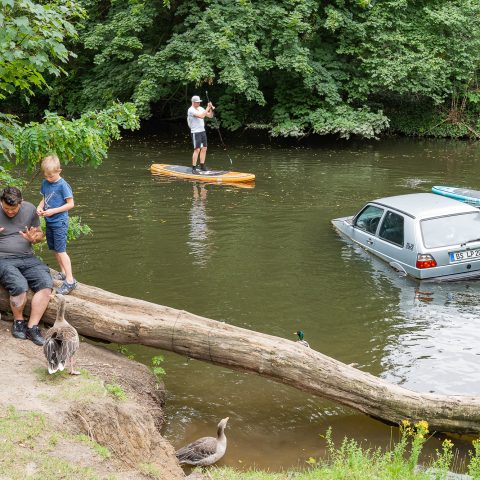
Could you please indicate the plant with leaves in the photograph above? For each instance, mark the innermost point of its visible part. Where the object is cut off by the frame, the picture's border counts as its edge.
(33, 48)
(268, 64)
(32, 45)
(32, 42)
(157, 370)
(291, 67)
(420, 59)
(83, 141)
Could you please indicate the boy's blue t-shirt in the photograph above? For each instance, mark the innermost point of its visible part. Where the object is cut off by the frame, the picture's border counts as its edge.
(55, 195)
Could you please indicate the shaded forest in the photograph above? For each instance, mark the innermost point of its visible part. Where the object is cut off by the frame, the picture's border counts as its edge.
(289, 67)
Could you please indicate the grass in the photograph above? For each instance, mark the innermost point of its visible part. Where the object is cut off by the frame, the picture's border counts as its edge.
(150, 470)
(116, 391)
(21, 456)
(102, 451)
(82, 388)
(350, 461)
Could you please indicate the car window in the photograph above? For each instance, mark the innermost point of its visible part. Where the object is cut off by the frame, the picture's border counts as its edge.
(392, 228)
(450, 230)
(369, 219)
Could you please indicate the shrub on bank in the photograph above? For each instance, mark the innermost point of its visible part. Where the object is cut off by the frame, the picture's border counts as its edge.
(351, 461)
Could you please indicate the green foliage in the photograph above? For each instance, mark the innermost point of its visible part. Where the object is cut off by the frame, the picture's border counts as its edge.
(21, 435)
(84, 141)
(290, 67)
(125, 351)
(157, 370)
(116, 391)
(102, 451)
(151, 470)
(8, 127)
(353, 462)
(33, 45)
(76, 229)
(32, 42)
(18, 427)
(474, 465)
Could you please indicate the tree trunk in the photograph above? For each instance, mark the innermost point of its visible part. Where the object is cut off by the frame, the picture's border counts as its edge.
(103, 315)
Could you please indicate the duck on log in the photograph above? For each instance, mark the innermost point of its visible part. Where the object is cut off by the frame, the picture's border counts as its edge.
(104, 315)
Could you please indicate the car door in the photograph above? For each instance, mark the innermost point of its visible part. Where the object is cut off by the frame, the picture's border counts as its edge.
(365, 226)
(391, 239)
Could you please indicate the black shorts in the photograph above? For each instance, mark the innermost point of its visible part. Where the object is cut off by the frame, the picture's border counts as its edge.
(199, 139)
(23, 271)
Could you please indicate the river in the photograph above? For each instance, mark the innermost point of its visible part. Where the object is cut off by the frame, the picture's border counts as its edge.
(268, 259)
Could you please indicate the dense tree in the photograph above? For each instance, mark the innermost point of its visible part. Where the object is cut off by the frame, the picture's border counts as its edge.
(32, 49)
(289, 66)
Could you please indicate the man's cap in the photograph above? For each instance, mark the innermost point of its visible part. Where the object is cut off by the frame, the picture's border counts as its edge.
(196, 98)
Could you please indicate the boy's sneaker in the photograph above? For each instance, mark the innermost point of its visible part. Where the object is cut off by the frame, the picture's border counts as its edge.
(35, 336)
(59, 276)
(203, 167)
(194, 170)
(65, 288)
(19, 329)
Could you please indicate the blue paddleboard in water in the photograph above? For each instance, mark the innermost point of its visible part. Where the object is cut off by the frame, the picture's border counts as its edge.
(463, 194)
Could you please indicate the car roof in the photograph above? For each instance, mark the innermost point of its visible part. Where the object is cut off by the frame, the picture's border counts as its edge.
(425, 205)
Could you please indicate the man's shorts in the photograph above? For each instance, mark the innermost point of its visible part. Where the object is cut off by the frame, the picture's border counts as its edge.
(57, 236)
(199, 139)
(23, 271)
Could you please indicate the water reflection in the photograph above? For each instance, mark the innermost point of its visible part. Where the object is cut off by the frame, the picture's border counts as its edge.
(433, 336)
(198, 223)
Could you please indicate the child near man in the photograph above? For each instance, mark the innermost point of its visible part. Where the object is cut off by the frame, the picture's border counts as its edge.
(57, 201)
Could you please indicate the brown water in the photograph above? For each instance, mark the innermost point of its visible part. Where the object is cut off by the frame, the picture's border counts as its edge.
(268, 259)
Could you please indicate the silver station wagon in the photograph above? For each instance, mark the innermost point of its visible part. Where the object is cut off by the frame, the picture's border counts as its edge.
(424, 235)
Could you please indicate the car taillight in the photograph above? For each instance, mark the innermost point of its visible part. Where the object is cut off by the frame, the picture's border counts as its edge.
(425, 261)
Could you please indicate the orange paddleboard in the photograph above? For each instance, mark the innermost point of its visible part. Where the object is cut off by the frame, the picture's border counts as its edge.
(212, 176)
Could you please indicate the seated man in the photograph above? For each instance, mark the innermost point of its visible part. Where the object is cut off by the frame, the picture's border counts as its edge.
(19, 267)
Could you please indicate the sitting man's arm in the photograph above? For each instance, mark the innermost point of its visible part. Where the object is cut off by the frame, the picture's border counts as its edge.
(32, 234)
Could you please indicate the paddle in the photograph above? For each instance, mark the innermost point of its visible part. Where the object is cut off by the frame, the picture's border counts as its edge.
(217, 126)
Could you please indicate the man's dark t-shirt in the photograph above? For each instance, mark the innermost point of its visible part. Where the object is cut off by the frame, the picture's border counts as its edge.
(11, 242)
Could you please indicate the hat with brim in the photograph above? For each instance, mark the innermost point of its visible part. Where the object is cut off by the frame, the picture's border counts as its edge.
(196, 98)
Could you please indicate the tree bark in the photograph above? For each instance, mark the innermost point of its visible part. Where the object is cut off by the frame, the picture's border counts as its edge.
(103, 315)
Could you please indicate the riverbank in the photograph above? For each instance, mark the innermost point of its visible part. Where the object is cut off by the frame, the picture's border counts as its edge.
(103, 424)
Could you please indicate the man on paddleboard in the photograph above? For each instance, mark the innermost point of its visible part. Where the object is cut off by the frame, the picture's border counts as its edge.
(195, 116)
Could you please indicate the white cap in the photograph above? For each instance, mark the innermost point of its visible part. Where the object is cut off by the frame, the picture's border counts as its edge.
(196, 98)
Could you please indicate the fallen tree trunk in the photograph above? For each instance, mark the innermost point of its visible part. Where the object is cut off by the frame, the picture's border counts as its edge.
(103, 315)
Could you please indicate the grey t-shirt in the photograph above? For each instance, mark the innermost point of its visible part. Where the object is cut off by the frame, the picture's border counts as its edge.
(11, 242)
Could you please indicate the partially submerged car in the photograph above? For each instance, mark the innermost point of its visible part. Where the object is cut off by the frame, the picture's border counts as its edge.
(424, 235)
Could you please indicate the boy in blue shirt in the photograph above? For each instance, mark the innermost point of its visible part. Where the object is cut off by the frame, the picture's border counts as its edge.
(57, 201)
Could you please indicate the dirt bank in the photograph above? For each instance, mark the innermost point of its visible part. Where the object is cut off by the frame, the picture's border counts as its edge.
(102, 424)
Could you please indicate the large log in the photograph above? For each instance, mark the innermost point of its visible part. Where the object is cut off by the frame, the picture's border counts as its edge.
(103, 315)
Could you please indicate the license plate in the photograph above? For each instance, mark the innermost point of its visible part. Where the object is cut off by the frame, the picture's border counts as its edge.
(464, 255)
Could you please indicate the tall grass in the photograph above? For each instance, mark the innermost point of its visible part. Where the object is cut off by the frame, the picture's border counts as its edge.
(350, 461)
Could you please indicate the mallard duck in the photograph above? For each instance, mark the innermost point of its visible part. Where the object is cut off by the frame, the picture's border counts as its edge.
(206, 450)
(61, 342)
(300, 334)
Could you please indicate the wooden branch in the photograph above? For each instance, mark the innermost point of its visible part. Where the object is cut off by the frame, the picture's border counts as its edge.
(103, 315)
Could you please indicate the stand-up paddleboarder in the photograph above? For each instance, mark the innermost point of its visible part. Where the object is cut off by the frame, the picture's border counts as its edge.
(195, 116)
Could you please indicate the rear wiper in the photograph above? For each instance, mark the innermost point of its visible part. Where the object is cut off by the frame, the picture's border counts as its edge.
(470, 241)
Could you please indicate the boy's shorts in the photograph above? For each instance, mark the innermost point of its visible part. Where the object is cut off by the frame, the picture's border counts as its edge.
(57, 236)
(17, 273)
